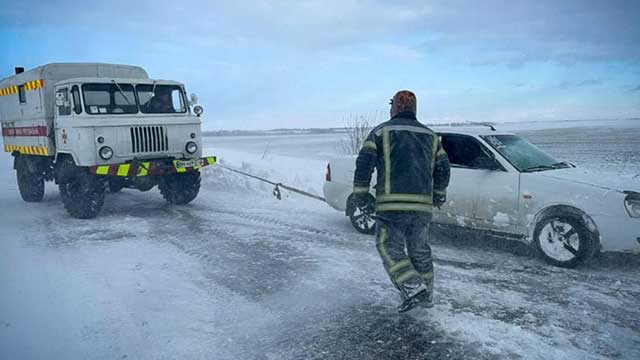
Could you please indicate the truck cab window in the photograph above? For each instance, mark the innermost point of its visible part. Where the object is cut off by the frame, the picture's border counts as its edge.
(62, 102)
(22, 94)
(75, 95)
(161, 99)
(464, 151)
(103, 99)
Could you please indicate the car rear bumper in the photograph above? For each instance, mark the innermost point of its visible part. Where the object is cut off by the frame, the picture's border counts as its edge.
(619, 233)
(336, 194)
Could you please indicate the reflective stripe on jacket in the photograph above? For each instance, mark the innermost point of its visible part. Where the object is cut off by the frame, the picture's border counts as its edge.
(411, 164)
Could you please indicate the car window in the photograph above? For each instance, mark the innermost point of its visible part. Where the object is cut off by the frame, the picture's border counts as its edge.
(463, 150)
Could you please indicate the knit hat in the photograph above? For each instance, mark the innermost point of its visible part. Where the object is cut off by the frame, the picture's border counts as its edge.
(403, 101)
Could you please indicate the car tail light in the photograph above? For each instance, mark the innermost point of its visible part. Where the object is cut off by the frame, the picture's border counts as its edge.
(327, 177)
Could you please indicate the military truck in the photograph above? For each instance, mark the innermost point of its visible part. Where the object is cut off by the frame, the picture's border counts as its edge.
(95, 128)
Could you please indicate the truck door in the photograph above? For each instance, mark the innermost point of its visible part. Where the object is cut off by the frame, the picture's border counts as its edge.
(62, 120)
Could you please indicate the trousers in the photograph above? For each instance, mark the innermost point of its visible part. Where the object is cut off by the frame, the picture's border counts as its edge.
(402, 240)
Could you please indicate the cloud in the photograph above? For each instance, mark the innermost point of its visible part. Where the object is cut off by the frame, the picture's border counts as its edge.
(480, 33)
(516, 32)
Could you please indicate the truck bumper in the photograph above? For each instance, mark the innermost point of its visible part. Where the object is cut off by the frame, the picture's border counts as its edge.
(152, 168)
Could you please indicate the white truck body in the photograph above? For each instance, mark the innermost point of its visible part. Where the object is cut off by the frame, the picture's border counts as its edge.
(34, 126)
(62, 121)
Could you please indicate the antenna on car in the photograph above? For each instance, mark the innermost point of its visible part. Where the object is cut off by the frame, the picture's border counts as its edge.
(487, 124)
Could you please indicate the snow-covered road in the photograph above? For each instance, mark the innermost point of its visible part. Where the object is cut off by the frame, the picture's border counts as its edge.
(238, 274)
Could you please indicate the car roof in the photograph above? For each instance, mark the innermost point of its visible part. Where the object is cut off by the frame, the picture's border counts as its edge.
(471, 130)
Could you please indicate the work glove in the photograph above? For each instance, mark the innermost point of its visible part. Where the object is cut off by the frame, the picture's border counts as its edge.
(439, 200)
(360, 199)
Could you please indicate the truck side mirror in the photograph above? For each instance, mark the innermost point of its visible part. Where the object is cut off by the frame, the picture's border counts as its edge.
(194, 99)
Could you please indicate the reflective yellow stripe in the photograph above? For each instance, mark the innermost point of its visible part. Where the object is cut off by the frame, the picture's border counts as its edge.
(123, 170)
(143, 169)
(440, 192)
(102, 170)
(30, 150)
(406, 276)
(441, 152)
(383, 236)
(360, 189)
(386, 144)
(399, 265)
(413, 198)
(404, 207)
(370, 144)
(434, 152)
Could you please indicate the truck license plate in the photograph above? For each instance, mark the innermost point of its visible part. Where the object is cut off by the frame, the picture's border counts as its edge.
(186, 163)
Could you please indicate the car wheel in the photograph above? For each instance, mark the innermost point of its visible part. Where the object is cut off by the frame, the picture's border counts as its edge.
(564, 240)
(361, 215)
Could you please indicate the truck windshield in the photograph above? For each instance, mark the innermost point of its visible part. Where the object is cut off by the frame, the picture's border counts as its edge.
(161, 99)
(109, 99)
(523, 155)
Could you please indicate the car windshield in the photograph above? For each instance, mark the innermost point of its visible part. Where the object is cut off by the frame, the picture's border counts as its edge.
(109, 99)
(161, 99)
(525, 156)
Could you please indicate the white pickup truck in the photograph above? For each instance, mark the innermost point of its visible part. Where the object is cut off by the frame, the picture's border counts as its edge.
(504, 185)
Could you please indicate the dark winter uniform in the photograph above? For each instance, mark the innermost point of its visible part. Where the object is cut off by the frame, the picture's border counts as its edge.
(412, 169)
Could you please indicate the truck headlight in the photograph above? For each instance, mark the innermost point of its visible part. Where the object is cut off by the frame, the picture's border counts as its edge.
(191, 147)
(632, 203)
(106, 152)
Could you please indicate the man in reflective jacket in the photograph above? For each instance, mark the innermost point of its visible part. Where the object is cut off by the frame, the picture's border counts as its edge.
(413, 174)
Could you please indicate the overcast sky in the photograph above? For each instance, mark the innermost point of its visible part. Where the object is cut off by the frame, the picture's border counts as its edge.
(274, 64)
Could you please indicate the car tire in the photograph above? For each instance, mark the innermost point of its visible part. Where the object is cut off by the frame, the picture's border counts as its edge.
(564, 240)
(30, 183)
(361, 216)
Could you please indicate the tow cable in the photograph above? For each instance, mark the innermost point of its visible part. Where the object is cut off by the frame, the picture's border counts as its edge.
(278, 185)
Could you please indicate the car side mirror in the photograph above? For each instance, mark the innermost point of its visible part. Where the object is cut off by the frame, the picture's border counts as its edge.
(486, 163)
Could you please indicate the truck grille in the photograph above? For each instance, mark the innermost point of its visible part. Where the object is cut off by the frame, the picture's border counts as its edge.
(149, 139)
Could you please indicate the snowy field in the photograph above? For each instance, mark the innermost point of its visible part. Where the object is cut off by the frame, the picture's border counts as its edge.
(238, 274)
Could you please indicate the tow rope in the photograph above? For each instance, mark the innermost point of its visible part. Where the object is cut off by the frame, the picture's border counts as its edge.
(278, 185)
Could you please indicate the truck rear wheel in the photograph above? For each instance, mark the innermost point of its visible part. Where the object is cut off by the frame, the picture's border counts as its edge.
(82, 194)
(30, 182)
(180, 189)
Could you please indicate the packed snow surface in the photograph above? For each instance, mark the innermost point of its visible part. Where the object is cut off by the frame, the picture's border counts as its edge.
(238, 274)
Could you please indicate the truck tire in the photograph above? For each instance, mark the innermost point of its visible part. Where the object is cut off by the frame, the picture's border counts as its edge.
(115, 185)
(30, 183)
(180, 189)
(82, 194)
(564, 240)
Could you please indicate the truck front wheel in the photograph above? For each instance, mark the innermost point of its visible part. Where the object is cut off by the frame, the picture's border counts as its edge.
(180, 189)
(82, 194)
(30, 180)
